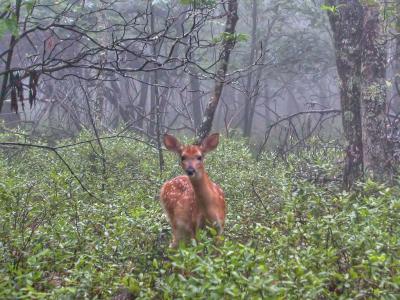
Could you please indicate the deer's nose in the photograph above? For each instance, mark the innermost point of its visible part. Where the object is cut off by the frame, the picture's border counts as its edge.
(190, 171)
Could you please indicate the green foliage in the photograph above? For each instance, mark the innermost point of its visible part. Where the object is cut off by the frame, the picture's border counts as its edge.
(199, 3)
(330, 8)
(8, 25)
(236, 37)
(290, 231)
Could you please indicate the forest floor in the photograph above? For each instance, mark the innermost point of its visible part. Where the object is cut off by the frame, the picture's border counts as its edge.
(291, 231)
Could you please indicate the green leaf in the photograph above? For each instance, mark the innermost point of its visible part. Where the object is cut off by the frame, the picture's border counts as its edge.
(8, 25)
(329, 8)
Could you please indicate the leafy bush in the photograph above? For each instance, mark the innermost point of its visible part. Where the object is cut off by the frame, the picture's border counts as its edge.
(288, 233)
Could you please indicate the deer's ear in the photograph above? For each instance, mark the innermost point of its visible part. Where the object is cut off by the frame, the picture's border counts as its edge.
(172, 144)
(210, 143)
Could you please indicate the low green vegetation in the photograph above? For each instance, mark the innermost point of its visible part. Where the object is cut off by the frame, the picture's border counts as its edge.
(291, 231)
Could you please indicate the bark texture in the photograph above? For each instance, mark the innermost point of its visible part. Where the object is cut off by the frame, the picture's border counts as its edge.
(373, 96)
(358, 31)
(347, 26)
(396, 58)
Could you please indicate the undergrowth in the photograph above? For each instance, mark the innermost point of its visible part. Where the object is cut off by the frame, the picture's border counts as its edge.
(291, 232)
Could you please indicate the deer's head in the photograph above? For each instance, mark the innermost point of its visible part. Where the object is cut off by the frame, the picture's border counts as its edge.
(192, 156)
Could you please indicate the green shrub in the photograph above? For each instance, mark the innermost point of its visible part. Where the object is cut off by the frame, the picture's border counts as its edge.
(290, 232)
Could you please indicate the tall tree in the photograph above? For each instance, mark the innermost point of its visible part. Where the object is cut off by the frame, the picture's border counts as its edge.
(248, 116)
(361, 64)
(346, 20)
(397, 59)
(228, 42)
(373, 94)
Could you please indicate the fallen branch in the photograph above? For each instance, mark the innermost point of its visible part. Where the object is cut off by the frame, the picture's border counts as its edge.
(54, 150)
(289, 118)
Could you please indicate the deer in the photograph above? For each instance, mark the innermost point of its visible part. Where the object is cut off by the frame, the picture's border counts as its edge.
(192, 201)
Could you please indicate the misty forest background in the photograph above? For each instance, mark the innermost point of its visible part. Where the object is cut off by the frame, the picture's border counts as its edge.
(305, 94)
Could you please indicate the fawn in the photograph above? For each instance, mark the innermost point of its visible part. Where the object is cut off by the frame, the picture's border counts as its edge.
(192, 201)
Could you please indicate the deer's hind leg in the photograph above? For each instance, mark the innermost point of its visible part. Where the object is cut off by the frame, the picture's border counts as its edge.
(182, 231)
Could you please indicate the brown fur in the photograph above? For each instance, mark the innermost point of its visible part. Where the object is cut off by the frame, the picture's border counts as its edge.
(191, 202)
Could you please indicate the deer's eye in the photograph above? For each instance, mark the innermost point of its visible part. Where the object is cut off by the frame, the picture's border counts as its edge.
(199, 157)
(183, 158)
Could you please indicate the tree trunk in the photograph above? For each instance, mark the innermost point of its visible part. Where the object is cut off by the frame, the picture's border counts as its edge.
(267, 100)
(227, 45)
(373, 96)
(248, 109)
(347, 27)
(5, 84)
(196, 100)
(396, 100)
(152, 112)
(154, 92)
(155, 118)
(142, 100)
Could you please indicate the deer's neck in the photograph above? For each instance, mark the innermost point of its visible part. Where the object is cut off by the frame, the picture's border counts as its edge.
(203, 190)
